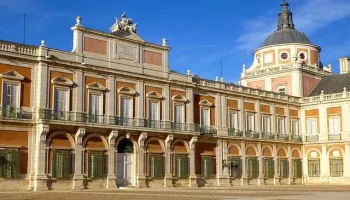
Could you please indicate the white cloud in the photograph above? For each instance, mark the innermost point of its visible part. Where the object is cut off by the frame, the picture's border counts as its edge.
(308, 16)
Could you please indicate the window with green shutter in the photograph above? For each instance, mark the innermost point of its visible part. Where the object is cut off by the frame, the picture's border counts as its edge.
(314, 168)
(9, 163)
(269, 168)
(156, 166)
(336, 167)
(297, 168)
(253, 167)
(181, 166)
(96, 164)
(235, 167)
(61, 164)
(284, 168)
(207, 166)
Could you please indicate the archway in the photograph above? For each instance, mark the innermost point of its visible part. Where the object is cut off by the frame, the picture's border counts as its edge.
(125, 162)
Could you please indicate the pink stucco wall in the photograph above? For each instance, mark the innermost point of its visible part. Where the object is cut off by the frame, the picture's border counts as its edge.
(284, 80)
(309, 83)
(257, 84)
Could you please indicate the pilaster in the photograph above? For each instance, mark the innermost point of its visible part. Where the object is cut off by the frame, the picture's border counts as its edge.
(111, 96)
(111, 176)
(324, 164)
(242, 118)
(42, 89)
(193, 176)
(139, 101)
(141, 172)
(243, 157)
(78, 91)
(276, 179)
(189, 106)
(168, 180)
(290, 164)
(78, 179)
(261, 180)
(221, 178)
(166, 107)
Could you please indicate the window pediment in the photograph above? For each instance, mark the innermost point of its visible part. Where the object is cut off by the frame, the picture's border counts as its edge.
(62, 81)
(205, 103)
(12, 75)
(154, 95)
(127, 90)
(179, 98)
(96, 86)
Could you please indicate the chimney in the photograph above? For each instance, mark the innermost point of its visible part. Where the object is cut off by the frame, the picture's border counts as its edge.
(344, 65)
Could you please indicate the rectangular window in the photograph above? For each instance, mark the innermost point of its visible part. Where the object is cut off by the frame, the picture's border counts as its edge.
(284, 168)
(266, 124)
(95, 108)
(181, 166)
(96, 164)
(61, 101)
(235, 164)
(250, 122)
(207, 166)
(9, 163)
(205, 117)
(153, 113)
(179, 113)
(252, 167)
(281, 129)
(334, 125)
(156, 166)
(336, 167)
(311, 126)
(10, 95)
(314, 168)
(269, 167)
(233, 119)
(297, 168)
(61, 164)
(295, 127)
(125, 107)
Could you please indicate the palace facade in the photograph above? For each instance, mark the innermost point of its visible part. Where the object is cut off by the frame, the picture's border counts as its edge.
(111, 114)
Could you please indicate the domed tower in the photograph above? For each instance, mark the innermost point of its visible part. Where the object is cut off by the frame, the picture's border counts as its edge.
(287, 62)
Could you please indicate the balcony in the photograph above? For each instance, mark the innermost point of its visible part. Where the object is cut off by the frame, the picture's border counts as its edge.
(311, 138)
(235, 133)
(284, 137)
(296, 138)
(205, 130)
(269, 136)
(14, 113)
(251, 134)
(334, 137)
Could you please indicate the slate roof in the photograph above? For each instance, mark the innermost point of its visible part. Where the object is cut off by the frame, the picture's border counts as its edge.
(332, 84)
(286, 36)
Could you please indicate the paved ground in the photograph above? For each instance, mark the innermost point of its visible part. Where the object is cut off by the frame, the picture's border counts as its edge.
(236, 193)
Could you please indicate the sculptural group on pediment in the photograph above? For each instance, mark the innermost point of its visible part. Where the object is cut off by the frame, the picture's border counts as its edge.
(125, 24)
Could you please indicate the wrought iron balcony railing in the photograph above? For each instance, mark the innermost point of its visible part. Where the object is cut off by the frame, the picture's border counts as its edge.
(251, 134)
(205, 130)
(284, 137)
(269, 136)
(334, 137)
(14, 113)
(296, 138)
(235, 133)
(311, 138)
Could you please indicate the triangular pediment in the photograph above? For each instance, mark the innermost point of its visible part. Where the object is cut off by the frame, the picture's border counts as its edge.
(62, 81)
(205, 102)
(96, 86)
(12, 75)
(155, 95)
(127, 90)
(128, 35)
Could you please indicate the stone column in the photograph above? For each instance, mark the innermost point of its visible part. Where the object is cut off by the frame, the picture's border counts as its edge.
(192, 161)
(242, 117)
(78, 179)
(324, 165)
(168, 179)
(139, 104)
(141, 172)
(305, 165)
(40, 177)
(276, 179)
(290, 164)
(189, 107)
(244, 173)
(261, 180)
(222, 176)
(111, 99)
(41, 82)
(218, 121)
(111, 176)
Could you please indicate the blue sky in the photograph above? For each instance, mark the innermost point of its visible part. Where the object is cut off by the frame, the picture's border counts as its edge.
(201, 32)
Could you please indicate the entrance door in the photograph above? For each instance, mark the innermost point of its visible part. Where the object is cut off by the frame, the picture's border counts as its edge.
(125, 163)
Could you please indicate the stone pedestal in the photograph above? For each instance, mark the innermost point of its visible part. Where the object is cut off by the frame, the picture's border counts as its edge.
(40, 183)
(245, 181)
(261, 181)
(223, 181)
(78, 182)
(141, 181)
(168, 180)
(192, 181)
(111, 182)
(277, 180)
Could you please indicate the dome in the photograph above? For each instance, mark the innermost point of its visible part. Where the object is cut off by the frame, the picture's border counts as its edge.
(286, 36)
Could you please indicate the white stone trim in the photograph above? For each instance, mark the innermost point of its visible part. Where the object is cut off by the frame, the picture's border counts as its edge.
(96, 86)
(62, 81)
(12, 75)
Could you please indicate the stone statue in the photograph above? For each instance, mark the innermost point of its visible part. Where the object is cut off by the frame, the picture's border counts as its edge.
(124, 25)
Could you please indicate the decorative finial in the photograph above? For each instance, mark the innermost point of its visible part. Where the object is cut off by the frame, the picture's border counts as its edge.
(222, 79)
(285, 17)
(217, 78)
(164, 40)
(188, 72)
(243, 68)
(322, 92)
(78, 21)
(42, 43)
(344, 89)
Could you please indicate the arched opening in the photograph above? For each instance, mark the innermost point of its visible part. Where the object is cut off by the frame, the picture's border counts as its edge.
(235, 162)
(268, 163)
(283, 165)
(180, 160)
(125, 162)
(336, 166)
(155, 158)
(313, 164)
(252, 163)
(297, 167)
(94, 156)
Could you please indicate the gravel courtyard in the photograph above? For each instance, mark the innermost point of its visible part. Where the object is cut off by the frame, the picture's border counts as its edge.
(236, 193)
